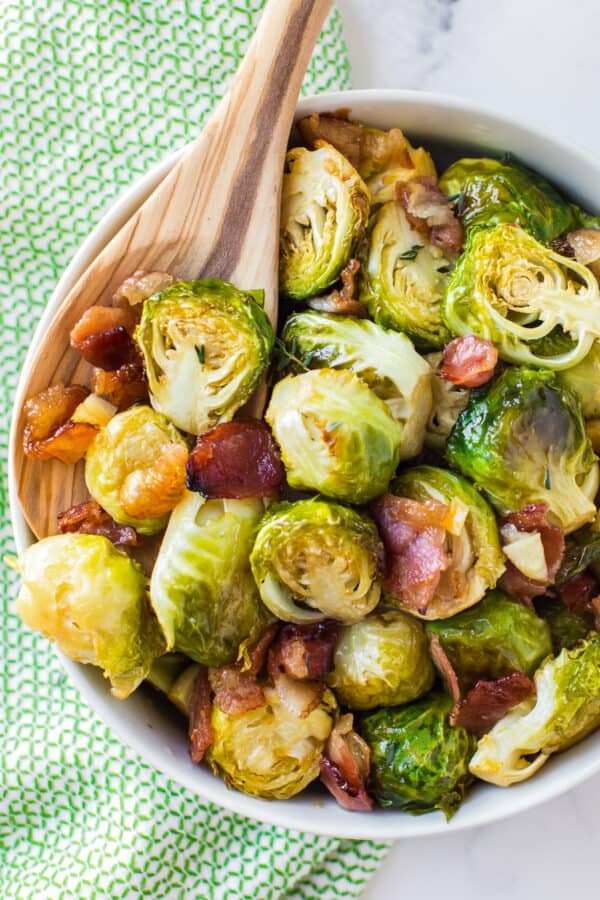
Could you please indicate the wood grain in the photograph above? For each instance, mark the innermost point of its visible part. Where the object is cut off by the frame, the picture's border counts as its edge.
(216, 214)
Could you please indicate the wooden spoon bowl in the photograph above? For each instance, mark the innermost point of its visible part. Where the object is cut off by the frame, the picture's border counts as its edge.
(215, 214)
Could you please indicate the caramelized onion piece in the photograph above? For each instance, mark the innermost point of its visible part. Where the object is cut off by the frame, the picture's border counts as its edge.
(469, 361)
(156, 490)
(534, 517)
(90, 518)
(236, 460)
(345, 766)
(585, 243)
(489, 701)
(48, 432)
(200, 729)
(123, 387)
(141, 285)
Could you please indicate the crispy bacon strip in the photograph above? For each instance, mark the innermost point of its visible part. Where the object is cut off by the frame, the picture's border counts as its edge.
(48, 432)
(236, 460)
(534, 517)
(303, 651)
(141, 285)
(157, 489)
(430, 213)
(90, 518)
(342, 302)
(469, 361)
(236, 688)
(103, 337)
(444, 666)
(489, 701)
(578, 592)
(200, 729)
(123, 387)
(345, 767)
(345, 136)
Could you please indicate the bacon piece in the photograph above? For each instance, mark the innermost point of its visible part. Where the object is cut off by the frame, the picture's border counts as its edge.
(534, 517)
(141, 285)
(157, 489)
(429, 212)
(235, 686)
(399, 519)
(469, 361)
(488, 701)
(123, 387)
(48, 431)
(345, 136)
(200, 729)
(103, 337)
(444, 666)
(236, 460)
(303, 651)
(90, 518)
(342, 302)
(345, 766)
(578, 591)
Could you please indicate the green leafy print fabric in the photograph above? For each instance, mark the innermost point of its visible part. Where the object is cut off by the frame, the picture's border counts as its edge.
(94, 93)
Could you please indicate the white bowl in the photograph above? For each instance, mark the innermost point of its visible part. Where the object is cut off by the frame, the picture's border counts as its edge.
(143, 721)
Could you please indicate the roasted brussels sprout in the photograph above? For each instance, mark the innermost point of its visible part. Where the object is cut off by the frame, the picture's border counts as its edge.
(565, 709)
(166, 670)
(510, 289)
(270, 752)
(325, 205)
(582, 549)
(381, 661)
(584, 380)
(336, 436)
(494, 191)
(320, 554)
(405, 278)
(385, 360)
(131, 442)
(472, 548)
(90, 598)
(566, 626)
(494, 638)
(419, 762)
(202, 588)
(522, 440)
(448, 401)
(205, 345)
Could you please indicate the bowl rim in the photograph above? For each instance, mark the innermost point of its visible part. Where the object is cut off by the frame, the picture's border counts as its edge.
(381, 825)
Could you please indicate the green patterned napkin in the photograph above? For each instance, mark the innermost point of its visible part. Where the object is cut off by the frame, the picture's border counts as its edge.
(95, 92)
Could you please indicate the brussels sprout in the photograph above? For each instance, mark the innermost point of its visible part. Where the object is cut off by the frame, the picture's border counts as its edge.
(494, 638)
(166, 670)
(181, 691)
(566, 709)
(419, 762)
(566, 626)
(584, 380)
(336, 436)
(522, 440)
(270, 752)
(381, 661)
(131, 441)
(405, 278)
(320, 554)
(494, 191)
(510, 289)
(81, 592)
(205, 346)
(202, 588)
(385, 360)
(324, 211)
(448, 401)
(582, 549)
(475, 561)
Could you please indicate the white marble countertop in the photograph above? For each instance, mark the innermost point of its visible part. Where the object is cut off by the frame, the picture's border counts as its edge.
(537, 60)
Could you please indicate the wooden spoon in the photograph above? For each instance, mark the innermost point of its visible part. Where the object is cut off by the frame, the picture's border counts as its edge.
(216, 214)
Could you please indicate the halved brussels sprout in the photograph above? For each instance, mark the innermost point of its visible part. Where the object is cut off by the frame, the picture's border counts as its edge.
(584, 380)
(381, 661)
(336, 436)
(494, 191)
(385, 360)
(205, 345)
(166, 670)
(320, 554)
(419, 762)
(565, 709)
(405, 278)
(566, 626)
(270, 752)
(494, 638)
(202, 588)
(131, 442)
(522, 440)
(510, 289)
(475, 561)
(449, 400)
(83, 593)
(324, 211)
